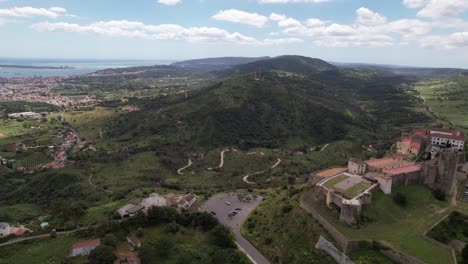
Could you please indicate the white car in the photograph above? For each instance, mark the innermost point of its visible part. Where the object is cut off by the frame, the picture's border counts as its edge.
(227, 202)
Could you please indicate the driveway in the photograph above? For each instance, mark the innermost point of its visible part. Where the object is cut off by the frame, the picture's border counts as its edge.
(223, 205)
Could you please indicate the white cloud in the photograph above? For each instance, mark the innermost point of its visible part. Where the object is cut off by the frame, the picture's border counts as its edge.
(28, 11)
(133, 29)
(314, 22)
(455, 40)
(369, 18)
(238, 16)
(415, 3)
(169, 2)
(290, 1)
(443, 8)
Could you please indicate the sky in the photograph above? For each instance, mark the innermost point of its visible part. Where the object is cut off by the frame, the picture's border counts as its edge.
(430, 33)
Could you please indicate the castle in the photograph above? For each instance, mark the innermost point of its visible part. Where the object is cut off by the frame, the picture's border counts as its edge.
(434, 157)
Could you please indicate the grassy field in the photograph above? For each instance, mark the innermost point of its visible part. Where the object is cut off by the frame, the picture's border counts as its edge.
(282, 231)
(369, 257)
(400, 227)
(18, 212)
(31, 160)
(447, 98)
(38, 251)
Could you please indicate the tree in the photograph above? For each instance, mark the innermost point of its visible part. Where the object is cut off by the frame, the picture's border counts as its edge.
(102, 255)
(400, 199)
(465, 255)
(222, 237)
(110, 240)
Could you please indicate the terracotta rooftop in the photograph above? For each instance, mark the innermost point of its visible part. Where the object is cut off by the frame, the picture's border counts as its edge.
(388, 163)
(406, 169)
(87, 243)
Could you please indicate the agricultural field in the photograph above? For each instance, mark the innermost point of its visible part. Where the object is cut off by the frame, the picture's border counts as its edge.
(401, 227)
(447, 98)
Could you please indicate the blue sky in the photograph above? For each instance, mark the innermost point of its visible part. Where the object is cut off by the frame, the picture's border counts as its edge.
(405, 32)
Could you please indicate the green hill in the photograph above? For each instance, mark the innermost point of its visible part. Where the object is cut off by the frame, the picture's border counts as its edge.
(246, 112)
(290, 63)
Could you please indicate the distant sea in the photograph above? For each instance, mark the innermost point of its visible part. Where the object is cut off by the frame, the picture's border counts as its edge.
(72, 66)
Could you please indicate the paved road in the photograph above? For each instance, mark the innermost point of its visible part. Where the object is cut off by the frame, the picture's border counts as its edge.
(217, 204)
(21, 239)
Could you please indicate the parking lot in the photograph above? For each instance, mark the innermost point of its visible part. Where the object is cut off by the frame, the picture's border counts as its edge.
(232, 212)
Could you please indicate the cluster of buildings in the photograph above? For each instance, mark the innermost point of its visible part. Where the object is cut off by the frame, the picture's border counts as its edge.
(32, 115)
(155, 200)
(441, 168)
(84, 248)
(37, 89)
(7, 230)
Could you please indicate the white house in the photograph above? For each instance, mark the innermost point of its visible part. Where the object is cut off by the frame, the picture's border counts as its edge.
(83, 248)
(4, 229)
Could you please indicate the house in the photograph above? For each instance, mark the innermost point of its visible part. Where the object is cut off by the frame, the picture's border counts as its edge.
(133, 240)
(186, 201)
(4, 229)
(129, 210)
(127, 258)
(83, 248)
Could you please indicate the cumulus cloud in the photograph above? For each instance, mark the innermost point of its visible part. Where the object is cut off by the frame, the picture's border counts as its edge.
(369, 18)
(29, 11)
(238, 16)
(455, 40)
(290, 1)
(169, 2)
(415, 3)
(134, 29)
(443, 8)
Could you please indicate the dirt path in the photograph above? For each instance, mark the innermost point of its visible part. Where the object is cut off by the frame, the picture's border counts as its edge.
(246, 177)
(90, 180)
(221, 158)
(324, 147)
(179, 171)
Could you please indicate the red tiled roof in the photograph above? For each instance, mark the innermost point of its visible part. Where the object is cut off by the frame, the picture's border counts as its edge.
(133, 239)
(87, 243)
(20, 232)
(415, 144)
(407, 169)
(379, 162)
(187, 198)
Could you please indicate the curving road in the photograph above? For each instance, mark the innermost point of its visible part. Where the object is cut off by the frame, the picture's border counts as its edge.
(221, 158)
(246, 177)
(179, 171)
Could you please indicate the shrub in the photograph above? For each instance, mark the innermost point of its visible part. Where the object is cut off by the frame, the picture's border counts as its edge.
(287, 208)
(400, 199)
(438, 194)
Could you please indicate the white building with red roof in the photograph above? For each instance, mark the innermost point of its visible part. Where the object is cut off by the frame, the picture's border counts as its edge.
(83, 248)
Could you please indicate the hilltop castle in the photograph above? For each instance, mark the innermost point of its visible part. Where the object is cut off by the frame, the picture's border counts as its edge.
(434, 157)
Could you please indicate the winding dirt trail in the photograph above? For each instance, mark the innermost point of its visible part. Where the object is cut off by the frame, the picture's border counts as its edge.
(324, 147)
(221, 158)
(179, 171)
(246, 177)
